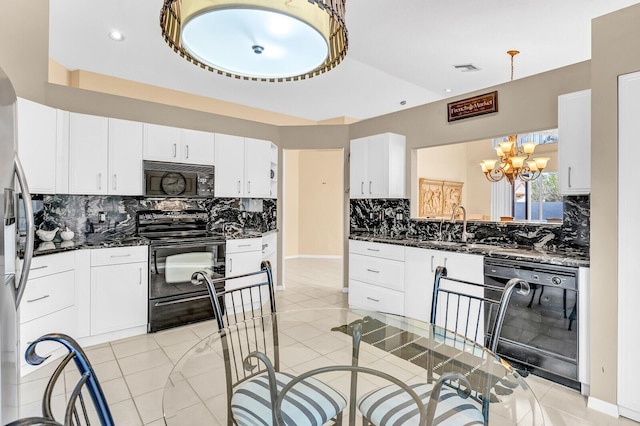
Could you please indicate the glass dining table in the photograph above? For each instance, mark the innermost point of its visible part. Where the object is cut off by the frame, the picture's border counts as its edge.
(301, 341)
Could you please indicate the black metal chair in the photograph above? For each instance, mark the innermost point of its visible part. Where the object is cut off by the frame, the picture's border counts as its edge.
(246, 328)
(77, 409)
(458, 312)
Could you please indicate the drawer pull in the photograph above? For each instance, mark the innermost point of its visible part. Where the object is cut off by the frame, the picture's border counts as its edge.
(38, 298)
(244, 245)
(373, 270)
(39, 267)
(371, 249)
(121, 255)
(371, 298)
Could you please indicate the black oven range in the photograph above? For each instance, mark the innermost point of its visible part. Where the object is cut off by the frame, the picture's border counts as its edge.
(179, 245)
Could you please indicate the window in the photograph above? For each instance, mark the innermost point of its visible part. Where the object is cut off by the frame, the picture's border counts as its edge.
(537, 200)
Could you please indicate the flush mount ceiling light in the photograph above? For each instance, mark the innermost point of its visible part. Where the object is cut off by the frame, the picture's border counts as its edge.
(272, 40)
(514, 157)
(116, 35)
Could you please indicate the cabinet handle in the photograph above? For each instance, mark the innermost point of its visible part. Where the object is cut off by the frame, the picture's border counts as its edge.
(362, 188)
(187, 153)
(248, 187)
(371, 298)
(230, 265)
(114, 181)
(38, 298)
(238, 187)
(140, 280)
(370, 249)
(175, 150)
(99, 180)
(244, 245)
(445, 262)
(373, 270)
(370, 187)
(39, 267)
(569, 175)
(432, 270)
(121, 255)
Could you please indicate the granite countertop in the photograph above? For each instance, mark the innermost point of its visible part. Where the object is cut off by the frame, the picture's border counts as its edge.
(564, 257)
(99, 241)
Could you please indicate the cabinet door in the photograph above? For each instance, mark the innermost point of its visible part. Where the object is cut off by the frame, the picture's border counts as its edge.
(377, 182)
(37, 145)
(118, 297)
(257, 170)
(358, 167)
(88, 154)
(197, 147)
(229, 155)
(125, 157)
(243, 263)
(418, 283)
(574, 143)
(161, 143)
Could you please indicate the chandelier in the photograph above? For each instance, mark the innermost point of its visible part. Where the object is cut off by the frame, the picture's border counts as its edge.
(265, 40)
(514, 157)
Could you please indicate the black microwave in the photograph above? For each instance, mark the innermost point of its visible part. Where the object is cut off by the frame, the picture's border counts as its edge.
(177, 180)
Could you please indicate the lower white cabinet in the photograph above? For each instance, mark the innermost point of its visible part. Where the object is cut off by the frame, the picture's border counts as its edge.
(376, 276)
(270, 253)
(118, 288)
(243, 256)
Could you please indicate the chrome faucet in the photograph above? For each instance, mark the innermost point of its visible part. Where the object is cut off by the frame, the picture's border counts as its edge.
(465, 234)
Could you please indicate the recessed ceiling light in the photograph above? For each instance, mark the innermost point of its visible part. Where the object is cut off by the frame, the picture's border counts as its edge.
(447, 90)
(116, 35)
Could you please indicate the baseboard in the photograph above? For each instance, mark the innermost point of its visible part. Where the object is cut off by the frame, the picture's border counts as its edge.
(630, 414)
(603, 407)
(345, 289)
(313, 256)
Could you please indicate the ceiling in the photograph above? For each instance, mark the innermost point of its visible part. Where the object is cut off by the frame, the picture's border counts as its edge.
(399, 50)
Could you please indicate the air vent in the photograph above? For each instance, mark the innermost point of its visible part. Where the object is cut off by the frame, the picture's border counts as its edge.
(466, 67)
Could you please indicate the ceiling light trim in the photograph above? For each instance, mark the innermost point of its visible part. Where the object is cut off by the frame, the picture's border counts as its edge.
(171, 16)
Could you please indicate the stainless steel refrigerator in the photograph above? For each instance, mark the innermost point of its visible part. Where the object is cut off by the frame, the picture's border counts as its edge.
(15, 270)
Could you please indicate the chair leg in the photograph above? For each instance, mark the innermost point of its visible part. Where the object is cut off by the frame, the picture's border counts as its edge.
(365, 421)
(338, 421)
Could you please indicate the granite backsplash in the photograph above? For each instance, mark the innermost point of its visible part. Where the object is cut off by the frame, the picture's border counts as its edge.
(96, 217)
(391, 218)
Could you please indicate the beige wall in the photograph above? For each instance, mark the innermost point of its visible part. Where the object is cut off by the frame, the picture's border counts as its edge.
(614, 46)
(291, 194)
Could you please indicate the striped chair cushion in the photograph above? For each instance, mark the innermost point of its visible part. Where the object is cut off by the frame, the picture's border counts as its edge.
(392, 406)
(309, 402)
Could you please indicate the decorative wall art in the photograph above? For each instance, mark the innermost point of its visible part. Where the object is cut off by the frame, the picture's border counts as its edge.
(437, 197)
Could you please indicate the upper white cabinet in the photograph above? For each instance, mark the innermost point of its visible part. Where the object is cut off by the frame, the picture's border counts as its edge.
(88, 154)
(164, 143)
(574, 147)
(42, 153)
(105, 155)
(377, 166)
(243, 167)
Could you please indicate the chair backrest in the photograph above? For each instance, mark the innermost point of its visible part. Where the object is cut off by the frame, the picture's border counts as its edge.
(77, 411)
(461, 306)
(244, 324)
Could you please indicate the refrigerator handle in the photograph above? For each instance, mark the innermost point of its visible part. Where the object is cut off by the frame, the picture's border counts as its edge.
(29, 243)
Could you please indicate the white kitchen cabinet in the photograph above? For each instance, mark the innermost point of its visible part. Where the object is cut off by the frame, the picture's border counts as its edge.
(165, 143)
(243, 167)
(574, 143)
(377, 166)
(88, 154)
(119, 287)
(125, 157)
(628, 234)
(273, 172)
(243, 256)
(49, 303)
(377, 276)
(270, 253)
(37, 145)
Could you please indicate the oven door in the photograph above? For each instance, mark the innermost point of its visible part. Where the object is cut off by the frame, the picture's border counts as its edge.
(540, 330)
(173, 299)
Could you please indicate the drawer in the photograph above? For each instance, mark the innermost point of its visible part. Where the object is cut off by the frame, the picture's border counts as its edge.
(386, 251)
(373, 270)
(63, 321)
(118, 255)
(374, 298)
(51, 264)
(46, 295)
(245, 244)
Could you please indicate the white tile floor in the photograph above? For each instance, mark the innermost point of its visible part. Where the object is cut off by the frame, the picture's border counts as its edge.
(133, 371)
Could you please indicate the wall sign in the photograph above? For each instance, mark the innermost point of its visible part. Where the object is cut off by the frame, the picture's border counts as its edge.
(471, 107)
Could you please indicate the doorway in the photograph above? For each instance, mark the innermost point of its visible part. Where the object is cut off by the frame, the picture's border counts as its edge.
(313, 218)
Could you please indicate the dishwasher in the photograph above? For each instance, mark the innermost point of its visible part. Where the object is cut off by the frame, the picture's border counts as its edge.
(541, 330)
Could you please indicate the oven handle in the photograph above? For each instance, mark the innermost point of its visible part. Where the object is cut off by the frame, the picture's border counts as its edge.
(188, 299)
(179, 245)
